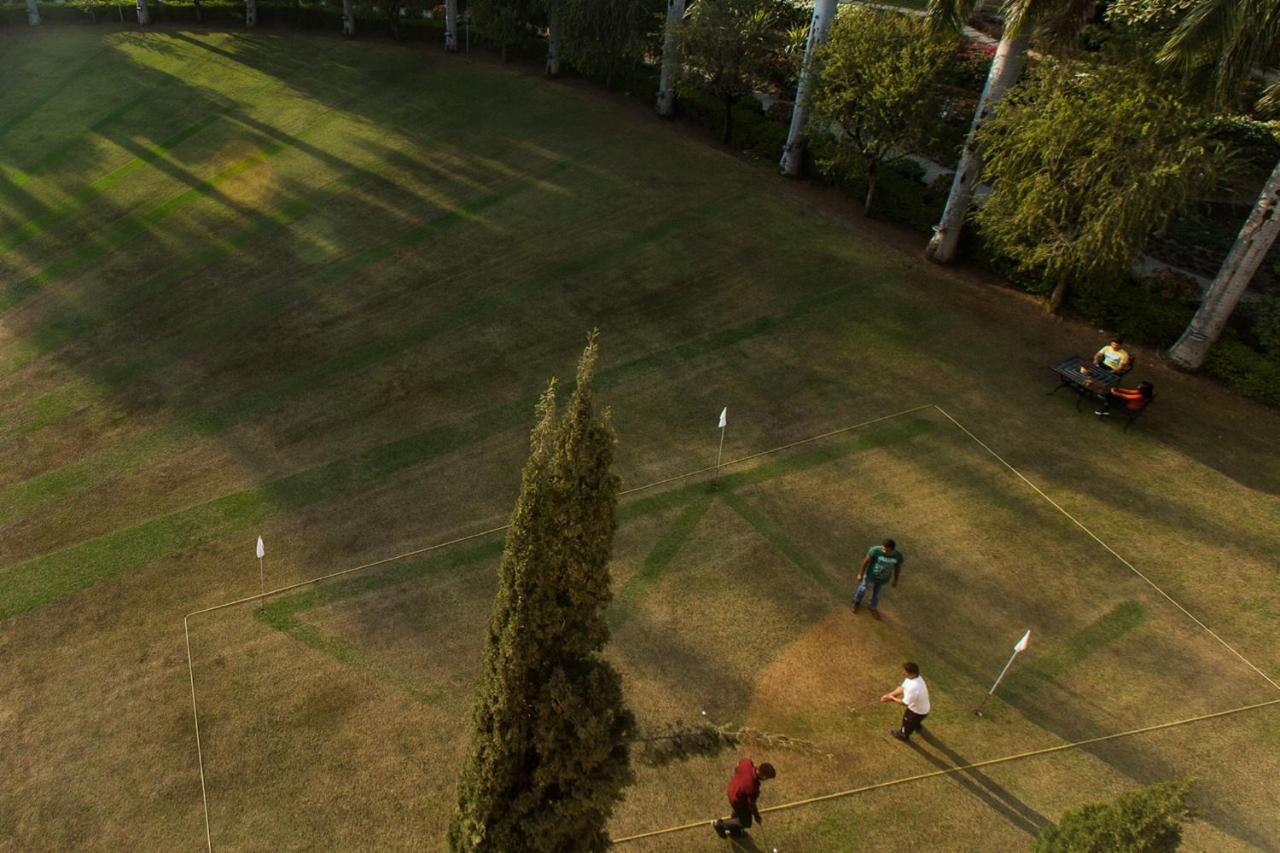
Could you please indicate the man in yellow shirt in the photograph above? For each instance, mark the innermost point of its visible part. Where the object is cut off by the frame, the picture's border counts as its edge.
(1114, 357)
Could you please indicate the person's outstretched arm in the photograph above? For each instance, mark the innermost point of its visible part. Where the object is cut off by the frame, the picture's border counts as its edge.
(895, 696)
(862, 570)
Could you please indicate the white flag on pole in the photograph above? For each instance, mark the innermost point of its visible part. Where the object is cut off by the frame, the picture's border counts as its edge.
(1024, 642)
(262, 552)
(724, 417)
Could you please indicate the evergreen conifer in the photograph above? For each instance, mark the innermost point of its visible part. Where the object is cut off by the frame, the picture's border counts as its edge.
(549, 758)
(1148, 820)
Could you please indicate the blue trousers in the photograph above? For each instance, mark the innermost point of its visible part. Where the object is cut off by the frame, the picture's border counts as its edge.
(862, 591)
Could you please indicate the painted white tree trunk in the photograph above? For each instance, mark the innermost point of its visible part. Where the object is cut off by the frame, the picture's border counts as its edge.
(1006, 68)
(144, 14)
(451, 25)
(348, 18)
(33, 13)
(1255, 240)
(553, 42)
(250, 13)
(824, 12)
(670, 58)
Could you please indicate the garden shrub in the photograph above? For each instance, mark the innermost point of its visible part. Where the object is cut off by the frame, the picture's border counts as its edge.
(1266, 324)
(753, 131)
(900, 196)
(1255, 141)
(1134, 310)
(1249, 373)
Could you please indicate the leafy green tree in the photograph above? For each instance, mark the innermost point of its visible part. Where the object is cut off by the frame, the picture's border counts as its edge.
(549, 756)
(1055, 22)
(504, 22)
(1148, 820)
(601, 37)
(1222, 43)
(875, 87)
(1085, 163)
(721, 41)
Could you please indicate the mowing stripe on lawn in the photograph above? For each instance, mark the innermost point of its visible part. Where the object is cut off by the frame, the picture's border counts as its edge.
(56, 213)
(133, 226)
(19, 177)
(39, 491)
(20, 115)
(45, 579)
(42, 490)
(282, 614)
(58, 153)
(1066, 655)
(775, 536)
(655, 563)
(54, 333)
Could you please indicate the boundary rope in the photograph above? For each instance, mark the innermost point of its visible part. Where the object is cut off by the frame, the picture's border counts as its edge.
(737, 461)
(1110, 550)
(958, 769)
(204, 797)
(195, 717)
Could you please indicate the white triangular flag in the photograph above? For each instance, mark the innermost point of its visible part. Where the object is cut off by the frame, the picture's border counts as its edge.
(262, 552)
(724, 417)
(1024, 642)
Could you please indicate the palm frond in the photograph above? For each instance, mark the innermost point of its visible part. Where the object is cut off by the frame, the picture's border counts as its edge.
(1208, 28)
(949, 15)
(1224, 41)
(1270, 100)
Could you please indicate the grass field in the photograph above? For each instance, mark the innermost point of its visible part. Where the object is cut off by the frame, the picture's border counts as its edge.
(310, 289)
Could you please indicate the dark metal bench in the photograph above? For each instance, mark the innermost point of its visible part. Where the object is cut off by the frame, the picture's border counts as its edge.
(1094, 383)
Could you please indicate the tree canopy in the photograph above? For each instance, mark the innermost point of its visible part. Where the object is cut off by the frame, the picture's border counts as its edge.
(722, 41)
(602, 37)
(1085, 162)
(875, 87)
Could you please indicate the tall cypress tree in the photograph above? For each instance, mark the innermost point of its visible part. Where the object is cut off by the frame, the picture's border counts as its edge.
(548, 757)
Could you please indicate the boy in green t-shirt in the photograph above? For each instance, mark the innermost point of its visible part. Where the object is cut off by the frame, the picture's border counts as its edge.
(881, 565)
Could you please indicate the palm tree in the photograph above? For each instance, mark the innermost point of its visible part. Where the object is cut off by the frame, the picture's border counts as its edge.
(144, 14)
(824, 12)
(451, 25)
(33, 13)
(1056, 20)
(1225, 40)
(250, 13)
(553, 39)
(670, 58)
(348, 18)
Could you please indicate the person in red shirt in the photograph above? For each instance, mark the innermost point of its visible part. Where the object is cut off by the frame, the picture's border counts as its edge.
(744, 790)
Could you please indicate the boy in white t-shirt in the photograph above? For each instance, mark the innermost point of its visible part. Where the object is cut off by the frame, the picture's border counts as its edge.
(913, 695)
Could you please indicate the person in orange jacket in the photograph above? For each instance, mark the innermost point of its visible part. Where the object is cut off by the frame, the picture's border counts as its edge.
(1132, 399)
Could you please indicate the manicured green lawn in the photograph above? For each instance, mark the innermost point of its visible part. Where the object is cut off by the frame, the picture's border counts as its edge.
(309, 289)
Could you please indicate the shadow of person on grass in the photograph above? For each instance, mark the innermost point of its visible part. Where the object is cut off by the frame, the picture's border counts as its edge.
(999, 798)
(744, 842)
